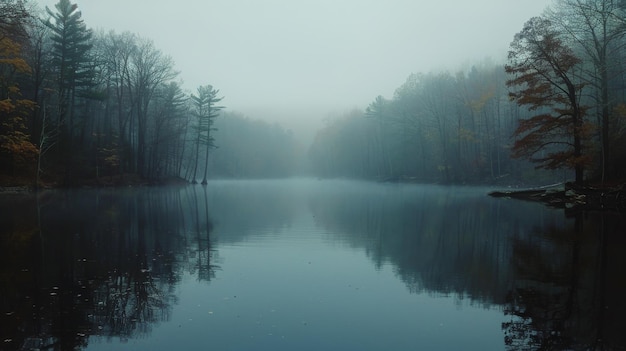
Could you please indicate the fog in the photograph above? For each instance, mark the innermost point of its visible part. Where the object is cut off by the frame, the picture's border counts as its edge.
(302, 61)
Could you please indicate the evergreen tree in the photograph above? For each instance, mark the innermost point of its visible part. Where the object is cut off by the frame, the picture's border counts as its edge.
(71, 55)
(205, 111)
(74, 71)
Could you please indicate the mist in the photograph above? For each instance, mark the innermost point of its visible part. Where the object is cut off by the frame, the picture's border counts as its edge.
(299, 62)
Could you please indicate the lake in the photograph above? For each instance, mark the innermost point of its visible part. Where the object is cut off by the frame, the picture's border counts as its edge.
(306, 265)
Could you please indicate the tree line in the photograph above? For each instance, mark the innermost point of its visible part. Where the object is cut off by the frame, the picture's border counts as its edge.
(79, 104)
(438, 127)
(559, 102)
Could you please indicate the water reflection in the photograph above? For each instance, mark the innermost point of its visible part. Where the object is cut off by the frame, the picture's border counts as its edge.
(569, 286)
(109, 263)
(560, 279)
(82, 263)
(441, 240)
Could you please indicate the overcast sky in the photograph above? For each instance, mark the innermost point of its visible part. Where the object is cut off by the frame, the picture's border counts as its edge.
(310, 58)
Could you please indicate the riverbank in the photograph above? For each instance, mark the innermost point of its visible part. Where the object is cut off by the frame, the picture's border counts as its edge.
(19, 186)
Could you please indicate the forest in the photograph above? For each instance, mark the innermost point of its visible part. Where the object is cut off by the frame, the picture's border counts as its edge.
(554, 111)
(86, 107)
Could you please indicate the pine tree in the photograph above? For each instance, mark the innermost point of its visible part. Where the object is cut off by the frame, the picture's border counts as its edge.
(74, 71)
(205, 111)
(71, 48)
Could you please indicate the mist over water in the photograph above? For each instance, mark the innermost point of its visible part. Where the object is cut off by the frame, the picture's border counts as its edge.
(304, 264)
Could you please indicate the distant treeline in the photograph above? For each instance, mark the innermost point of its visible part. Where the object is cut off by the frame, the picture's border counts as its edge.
(438, 127)
(558, 103)
(248, 148)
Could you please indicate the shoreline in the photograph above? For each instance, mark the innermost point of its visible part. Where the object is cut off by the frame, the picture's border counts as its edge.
(572, 197)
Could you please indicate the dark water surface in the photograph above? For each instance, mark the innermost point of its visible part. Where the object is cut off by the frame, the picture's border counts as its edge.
(307, 265)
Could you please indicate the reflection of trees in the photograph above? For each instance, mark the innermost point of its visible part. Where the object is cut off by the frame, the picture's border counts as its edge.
(569, 286)
(18, 236)
(100, 263)
(441, 240)
(252, 207)
(106, 264)
(203, 227)
(561, 280)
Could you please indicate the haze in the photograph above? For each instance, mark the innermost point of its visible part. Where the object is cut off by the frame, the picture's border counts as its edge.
(301, 61)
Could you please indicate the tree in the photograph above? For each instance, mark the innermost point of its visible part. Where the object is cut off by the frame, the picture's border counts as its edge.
(13, 19)
(38, 55)
(378, 111)
(17, 153)
(118, 49)
(150, 69)
(71, 45)
(436, 103)
(205, 111)
(70, 49)
(344, 148)
(407, 101)
(168, 130)
(481, 128)
(542, 68)
(597, 27)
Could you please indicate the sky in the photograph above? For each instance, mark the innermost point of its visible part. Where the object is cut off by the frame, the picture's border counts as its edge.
(300, 62)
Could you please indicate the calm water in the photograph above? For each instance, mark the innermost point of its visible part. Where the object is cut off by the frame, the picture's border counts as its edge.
(306, 265)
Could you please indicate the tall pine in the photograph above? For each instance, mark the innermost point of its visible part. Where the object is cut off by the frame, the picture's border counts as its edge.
(205, 111)
(74, 71)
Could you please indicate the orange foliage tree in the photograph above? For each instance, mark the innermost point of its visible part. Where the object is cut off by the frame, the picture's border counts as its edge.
(17, 154)
(543, 80)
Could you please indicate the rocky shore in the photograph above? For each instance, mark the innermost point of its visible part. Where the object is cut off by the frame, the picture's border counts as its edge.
(574, 197)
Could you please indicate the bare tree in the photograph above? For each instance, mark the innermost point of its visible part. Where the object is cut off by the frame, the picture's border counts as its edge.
(149, 70)
(597, 27)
